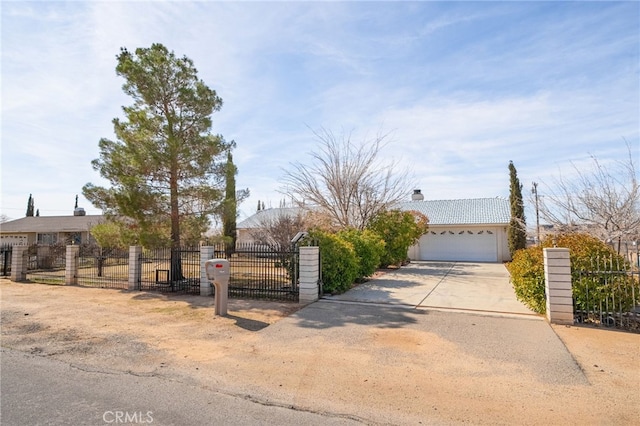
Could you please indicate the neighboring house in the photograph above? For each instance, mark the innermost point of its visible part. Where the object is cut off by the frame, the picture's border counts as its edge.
(245, 230)
(459, 230)
(48, 230)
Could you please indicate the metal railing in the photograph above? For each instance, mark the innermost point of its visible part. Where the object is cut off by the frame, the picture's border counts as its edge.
(103, 267)
(46, 263)
(170, 270)
(5, 259)
(607, 294)
(263, 271)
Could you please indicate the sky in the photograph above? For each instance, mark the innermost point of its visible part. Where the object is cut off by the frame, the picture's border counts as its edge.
(459, 88)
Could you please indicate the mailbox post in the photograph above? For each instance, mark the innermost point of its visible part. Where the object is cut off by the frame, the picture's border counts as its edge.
(218, 273)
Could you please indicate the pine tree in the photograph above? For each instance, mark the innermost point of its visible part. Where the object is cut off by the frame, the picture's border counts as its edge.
(516, 234)
(38, 213)
(76, 206)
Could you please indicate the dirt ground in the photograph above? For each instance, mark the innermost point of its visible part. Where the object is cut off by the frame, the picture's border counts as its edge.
(371, 373)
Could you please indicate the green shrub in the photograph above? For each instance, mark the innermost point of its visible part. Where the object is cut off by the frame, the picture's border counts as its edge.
(368, 247)
(527, 277)
(585, 252)
(399, 230)
(339, 262)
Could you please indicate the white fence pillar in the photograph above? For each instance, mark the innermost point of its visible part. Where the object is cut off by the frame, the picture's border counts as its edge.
(557, 277)
(19, 263)
(309, 274)
(71, 265)
(135, 267)
(206, 253)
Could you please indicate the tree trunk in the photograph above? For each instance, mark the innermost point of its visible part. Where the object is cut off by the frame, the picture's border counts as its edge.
(176, 259)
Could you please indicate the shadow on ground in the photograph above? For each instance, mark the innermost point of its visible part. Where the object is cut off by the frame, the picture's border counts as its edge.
(323, 315)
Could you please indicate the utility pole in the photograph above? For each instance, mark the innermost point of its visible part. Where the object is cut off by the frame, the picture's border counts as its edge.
(534, 190)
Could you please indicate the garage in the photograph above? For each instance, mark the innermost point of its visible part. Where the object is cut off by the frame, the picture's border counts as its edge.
(467, 230)
(459, 244)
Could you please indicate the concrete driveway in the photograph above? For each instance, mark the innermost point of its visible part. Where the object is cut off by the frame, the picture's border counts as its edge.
(465, 286)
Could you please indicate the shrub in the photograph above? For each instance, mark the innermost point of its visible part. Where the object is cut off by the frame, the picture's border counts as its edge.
(399, 230)
(339, 262)
(527, 267)
(527, 277)
(368, 247)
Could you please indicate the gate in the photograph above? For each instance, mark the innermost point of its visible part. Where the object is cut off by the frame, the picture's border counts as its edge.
(5, 259)
(103, 267)
(46, 263)
(263, 272)
(170, 270)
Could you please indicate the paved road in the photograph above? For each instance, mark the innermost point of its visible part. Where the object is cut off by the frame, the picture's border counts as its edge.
(44, 391)
(465, 286)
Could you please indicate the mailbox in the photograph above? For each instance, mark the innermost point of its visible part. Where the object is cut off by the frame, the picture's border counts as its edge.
(218, 272)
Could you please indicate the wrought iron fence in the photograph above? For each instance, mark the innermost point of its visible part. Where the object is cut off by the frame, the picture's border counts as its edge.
(170, 270)
(46, 263)
(607, 294)
(103, 267)
(5, 259)
(260, 271)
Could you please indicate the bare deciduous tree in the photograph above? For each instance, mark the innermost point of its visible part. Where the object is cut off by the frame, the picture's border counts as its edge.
(345, 181)
(276, 227)
(603, 201)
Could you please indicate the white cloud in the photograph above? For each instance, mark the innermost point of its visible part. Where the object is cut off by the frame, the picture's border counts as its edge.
(462, 87)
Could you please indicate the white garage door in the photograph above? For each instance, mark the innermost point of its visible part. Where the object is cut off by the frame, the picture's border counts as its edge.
(461, 244)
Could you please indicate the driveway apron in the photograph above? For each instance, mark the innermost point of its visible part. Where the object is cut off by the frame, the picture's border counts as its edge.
(465, 286)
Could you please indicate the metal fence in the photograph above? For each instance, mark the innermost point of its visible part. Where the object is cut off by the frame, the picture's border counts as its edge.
(171, 270)
(46, 263)
(607, 294)
(257, 271)
(103, 267)
(262, 271)
(5, 259)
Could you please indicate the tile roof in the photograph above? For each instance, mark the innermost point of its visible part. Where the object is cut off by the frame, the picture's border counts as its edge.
(51, 224)
(268, 215)
(476, 211)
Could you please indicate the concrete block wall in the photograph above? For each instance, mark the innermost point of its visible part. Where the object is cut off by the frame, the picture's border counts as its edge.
(72, 259)
(206, 253)
(19, 263)
(135, 267)
(557, 274)
(309, 274)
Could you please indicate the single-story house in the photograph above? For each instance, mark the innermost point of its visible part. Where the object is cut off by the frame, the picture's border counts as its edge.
(245, 230)
(459, 230)
(463, 230)
(48, 230)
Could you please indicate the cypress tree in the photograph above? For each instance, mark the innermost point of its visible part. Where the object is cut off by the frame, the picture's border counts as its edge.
(516, 234)
(229, 213)
(30, 206)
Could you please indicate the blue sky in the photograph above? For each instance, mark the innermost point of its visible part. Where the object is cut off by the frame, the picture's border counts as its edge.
(461, 88)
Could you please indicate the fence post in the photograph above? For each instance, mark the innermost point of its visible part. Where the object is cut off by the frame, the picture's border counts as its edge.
(206, 253)
(557, 278)
(135, 267)
(309, 274)
(71, 265)
(19, 263)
